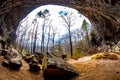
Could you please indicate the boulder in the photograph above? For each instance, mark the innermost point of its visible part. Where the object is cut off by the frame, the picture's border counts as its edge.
(4, 52)
(28, 58)
(58, 69)
(8, 57)
(40, 58)
(34, 66)
(15, 63)
(14, 51)
(116, 48)
(5, 63)
(64, 56)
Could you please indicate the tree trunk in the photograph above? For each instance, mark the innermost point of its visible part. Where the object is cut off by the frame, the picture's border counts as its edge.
(43, 35)
(35, 38)
(71, 49)
(48, 38)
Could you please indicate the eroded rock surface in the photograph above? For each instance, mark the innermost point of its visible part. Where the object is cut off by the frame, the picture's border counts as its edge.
(57, 69)
(103, 14)
(15, 63)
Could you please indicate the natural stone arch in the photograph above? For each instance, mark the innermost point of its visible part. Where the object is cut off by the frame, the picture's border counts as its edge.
(103, 14)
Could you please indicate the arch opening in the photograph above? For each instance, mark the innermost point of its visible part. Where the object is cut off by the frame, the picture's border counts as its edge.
(100, 13)
(53, 28)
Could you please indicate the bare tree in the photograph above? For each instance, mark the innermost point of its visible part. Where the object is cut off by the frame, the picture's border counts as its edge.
(59, 43)
(48, 36)
(31, 42)
(45, 14)
(22, 39)
(21, 31)
(35, 35)
(68, 19)
(54, 32)
(65, 41)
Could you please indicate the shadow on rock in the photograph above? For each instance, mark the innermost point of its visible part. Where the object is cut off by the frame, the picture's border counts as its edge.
(55, 73)
(15, 64)
(34, 66)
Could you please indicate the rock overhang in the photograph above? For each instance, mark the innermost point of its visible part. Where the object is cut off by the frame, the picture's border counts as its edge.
(103, 14)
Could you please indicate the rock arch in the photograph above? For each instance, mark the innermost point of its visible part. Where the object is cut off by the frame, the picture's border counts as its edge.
(103, 14)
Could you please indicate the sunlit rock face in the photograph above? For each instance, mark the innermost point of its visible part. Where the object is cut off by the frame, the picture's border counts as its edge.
(103, 14)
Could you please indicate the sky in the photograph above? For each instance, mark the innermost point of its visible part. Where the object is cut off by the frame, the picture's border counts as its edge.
(57, 21)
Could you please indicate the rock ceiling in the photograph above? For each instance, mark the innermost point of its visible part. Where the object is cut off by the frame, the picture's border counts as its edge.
(103, 14)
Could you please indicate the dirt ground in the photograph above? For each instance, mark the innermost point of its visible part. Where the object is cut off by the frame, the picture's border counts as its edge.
(101, 69)
(22, 74)
(88, 70)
